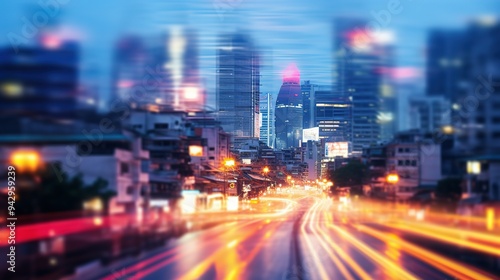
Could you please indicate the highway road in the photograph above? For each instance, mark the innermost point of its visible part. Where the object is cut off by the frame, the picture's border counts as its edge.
(306, 235)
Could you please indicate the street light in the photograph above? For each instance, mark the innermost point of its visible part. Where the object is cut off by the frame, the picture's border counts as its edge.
(393, 179)
(265, 170)
(227, 163)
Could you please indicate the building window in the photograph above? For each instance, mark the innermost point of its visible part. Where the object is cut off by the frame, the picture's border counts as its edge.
(400, 150)
(137, 126)
(124, 168)
(407, 150)
(400, 163)
(407, 162)
(211, 149)
(161, 125)
(130, 190)
(413, 163)
(145, 166)
(211, 158)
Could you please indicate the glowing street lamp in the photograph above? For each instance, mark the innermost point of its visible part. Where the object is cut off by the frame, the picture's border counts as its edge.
(227, 163)
(392, 178)
(265, 170)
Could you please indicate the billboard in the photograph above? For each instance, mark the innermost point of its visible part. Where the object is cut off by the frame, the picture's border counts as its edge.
(310, 134)
(337, 149)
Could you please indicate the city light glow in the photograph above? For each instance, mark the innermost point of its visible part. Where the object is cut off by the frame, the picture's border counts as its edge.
(25, 160)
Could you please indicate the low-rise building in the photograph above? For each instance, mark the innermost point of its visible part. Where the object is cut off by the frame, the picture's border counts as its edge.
(118, 158)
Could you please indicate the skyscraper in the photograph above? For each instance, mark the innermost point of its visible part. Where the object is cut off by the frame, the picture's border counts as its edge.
(238, 85)
(333, 117)
(429, 113)
(445, 67)
(174, 54)
(41, 78)
(357, 75)
(129, 66)
(308, 104)
(288, 112)
(478, 121)
(162, 69)
(267, 117)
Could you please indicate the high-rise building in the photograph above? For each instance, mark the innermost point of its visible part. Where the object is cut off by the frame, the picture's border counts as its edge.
(445, 67)
(429, 113)
(478, 122)
(41, 78)
(162, 69)
(129, 67)
(308, 104)
(333, 115)
(361, 59)
(288, 122)
(329, 111)
(267, 117)
(238, 85)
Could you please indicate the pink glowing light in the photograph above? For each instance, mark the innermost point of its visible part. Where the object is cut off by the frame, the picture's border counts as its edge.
(51, 41)
(291, 74)
(125, 84)
(400, 73)
(359, 38)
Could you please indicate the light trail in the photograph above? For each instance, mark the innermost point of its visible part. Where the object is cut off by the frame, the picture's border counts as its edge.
(490, 238)
(312, 226)
(312, 250)
(381, 260)
(172, 254)
(449, 239)
(345, 257)
(453, 268)
(221, 254)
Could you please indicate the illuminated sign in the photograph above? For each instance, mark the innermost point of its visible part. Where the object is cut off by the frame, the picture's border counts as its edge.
(311, 134)
(337, 149)
(195, 151)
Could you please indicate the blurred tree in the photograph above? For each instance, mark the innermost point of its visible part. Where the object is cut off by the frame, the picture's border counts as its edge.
(353, 175)
(49, 193)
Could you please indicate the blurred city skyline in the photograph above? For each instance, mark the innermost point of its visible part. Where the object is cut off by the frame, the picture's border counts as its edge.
(284, 32)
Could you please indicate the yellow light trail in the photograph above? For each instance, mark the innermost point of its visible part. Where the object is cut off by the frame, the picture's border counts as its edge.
(332, 256)
(238, 268)
(455, 269)
(204, 265)
(378, 258)
(459, 232)
(317, 261)
(354, 265)
(449, 239)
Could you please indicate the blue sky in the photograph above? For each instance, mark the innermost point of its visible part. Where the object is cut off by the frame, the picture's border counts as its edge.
(285, 30)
